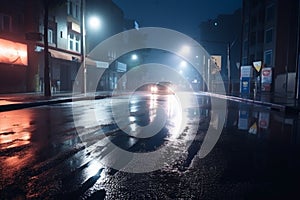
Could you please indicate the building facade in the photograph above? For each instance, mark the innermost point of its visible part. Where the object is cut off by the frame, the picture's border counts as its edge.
(13, 67)
(112, 22)
(22, 57)
(271, 34)
(221, 38)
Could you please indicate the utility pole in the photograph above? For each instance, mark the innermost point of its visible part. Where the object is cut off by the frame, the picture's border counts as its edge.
(83, 49)
(297, 93)
(47, 90)
(228, 68)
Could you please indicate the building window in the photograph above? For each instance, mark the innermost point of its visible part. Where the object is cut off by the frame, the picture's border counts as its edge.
(73, 9)
(50, 36)
(77, 11)
(5, 23)
(270, 13)
(268, 58)
(74, 42)
(70, 8)
(269, 35)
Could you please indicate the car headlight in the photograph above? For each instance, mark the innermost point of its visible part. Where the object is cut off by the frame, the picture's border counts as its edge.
(153, 89)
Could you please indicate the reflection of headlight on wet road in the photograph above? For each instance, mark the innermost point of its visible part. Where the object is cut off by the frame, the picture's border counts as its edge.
(161, 76)
(153, 89)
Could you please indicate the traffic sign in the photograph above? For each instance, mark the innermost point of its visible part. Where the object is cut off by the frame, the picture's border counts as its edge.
(257, 65)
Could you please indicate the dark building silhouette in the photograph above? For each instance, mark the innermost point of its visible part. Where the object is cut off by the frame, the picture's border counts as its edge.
(111, 17)
(271, 35)
(21, 36)
(13, 74)
(221, 36)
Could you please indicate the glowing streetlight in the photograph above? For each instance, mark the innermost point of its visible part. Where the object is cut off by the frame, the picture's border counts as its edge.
(134, 57)
(185, 50)
(95, 22)
(183, 64)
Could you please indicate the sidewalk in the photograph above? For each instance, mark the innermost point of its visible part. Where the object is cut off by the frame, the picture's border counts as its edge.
(288, 105)
(9, 102)
(25, 100)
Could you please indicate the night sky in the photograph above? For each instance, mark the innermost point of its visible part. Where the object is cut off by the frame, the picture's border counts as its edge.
(180, 15)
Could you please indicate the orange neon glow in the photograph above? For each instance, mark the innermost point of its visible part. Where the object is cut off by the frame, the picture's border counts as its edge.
(15, 128)
(13, 52)
(15, 131)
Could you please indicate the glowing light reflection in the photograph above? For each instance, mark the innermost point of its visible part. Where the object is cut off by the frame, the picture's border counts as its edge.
(175, 115)
(14, 128)
(93, 168)
(13, 52)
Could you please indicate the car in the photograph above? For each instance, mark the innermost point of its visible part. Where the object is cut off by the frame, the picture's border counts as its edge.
(163, 87)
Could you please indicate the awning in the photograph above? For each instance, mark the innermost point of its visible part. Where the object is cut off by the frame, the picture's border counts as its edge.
(64, 55)
(96, 63)
(74, 57)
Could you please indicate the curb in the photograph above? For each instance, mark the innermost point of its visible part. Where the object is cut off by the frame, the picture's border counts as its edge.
(18, 106)
(273, 106)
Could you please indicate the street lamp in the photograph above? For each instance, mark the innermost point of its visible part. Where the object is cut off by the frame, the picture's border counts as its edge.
(95, 23)
(83, 53)
(183, 64)
(134, 57)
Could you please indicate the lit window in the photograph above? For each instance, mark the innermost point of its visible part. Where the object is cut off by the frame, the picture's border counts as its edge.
(77, 46)
(74, 42)
(50, 36)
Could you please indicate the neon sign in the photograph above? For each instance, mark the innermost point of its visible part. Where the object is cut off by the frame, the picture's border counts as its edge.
(13, 52)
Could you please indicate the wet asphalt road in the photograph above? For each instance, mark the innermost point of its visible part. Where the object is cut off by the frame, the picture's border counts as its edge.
(66, 151)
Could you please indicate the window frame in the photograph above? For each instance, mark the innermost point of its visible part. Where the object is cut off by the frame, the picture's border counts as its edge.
(267, 53)
(74, 42)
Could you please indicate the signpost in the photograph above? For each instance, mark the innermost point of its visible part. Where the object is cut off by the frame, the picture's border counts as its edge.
(245, 79)
(266, 79)
(257, 66)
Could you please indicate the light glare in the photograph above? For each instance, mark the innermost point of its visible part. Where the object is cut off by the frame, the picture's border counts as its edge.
(94, 22)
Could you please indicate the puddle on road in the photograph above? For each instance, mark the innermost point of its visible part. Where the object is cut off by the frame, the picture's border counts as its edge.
(15, 128)
(5, 102)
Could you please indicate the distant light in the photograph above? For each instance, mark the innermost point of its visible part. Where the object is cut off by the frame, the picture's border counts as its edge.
(94, 22)
(183, 63)
(185, 49)
(136, 25)
(134, 57)
(216, 24)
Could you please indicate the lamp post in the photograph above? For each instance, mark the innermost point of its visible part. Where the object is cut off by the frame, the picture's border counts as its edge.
(297, 93)
(83, 49)
(95, 23)
(228, 68)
